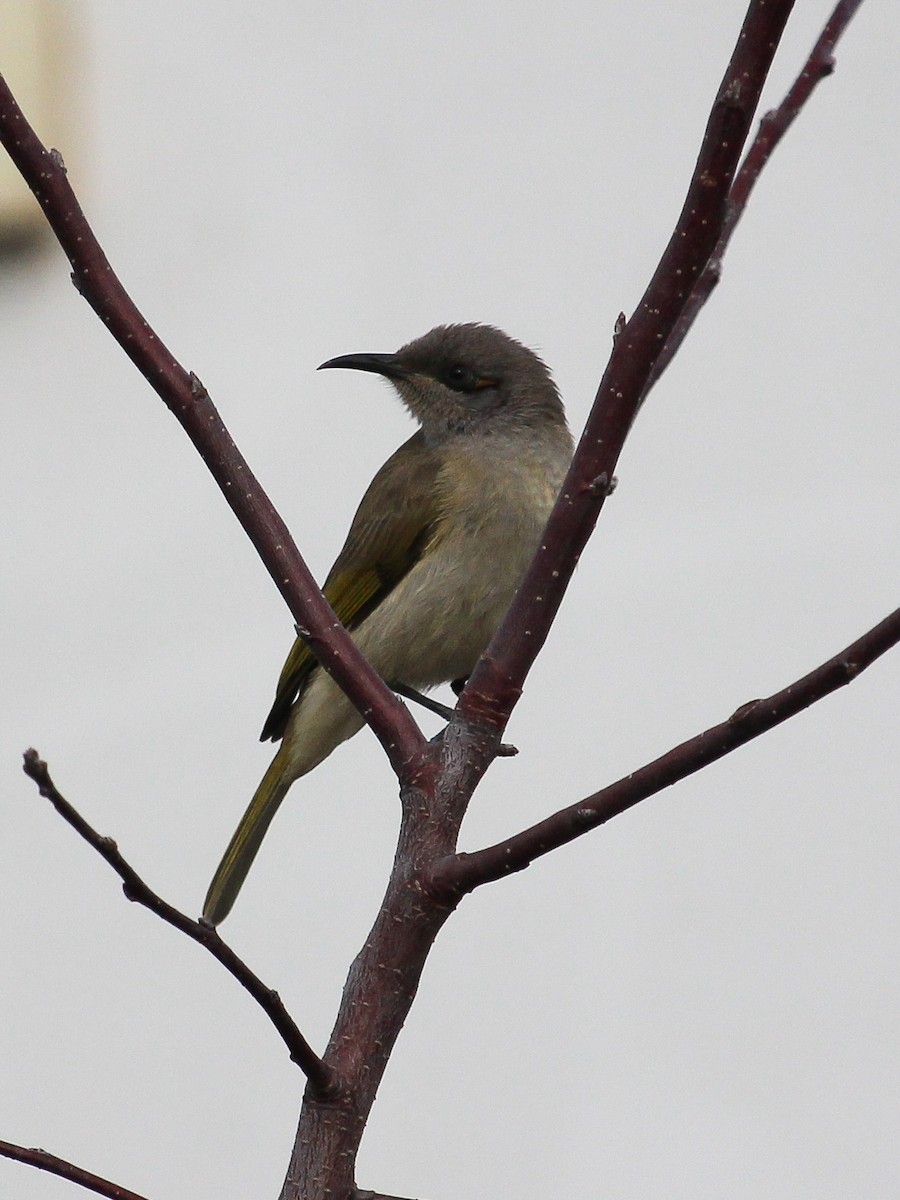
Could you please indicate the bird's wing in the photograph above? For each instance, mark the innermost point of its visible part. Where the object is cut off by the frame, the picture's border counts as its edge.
(393, 523)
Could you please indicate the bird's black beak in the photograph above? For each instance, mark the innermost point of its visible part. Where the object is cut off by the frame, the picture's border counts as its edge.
(388, 365)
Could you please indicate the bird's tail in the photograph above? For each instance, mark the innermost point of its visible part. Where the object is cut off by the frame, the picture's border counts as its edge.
(238, 858)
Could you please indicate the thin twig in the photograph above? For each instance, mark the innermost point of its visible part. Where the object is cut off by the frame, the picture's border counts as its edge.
(461, 873)
(189, 401)
(772, 128)
(34, 1157)
(322, 1080)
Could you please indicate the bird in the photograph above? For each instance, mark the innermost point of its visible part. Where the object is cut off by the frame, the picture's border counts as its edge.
(437, 548)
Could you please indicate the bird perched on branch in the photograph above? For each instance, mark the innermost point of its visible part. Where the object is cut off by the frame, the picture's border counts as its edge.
(435, 552)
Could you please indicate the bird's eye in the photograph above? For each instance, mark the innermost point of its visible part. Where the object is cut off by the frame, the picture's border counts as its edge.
(460, 378)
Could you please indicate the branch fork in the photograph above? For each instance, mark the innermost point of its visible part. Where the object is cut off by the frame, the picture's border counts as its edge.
(437, 780)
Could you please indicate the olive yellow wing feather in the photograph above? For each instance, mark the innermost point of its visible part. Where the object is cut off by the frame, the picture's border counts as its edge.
(394, 522)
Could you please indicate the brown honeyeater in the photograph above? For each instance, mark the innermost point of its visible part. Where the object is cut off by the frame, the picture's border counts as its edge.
(434, 555)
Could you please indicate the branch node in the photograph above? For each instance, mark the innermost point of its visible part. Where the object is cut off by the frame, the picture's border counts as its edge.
(198, 391)
(743, 711)
(827, 65)
(36, 769)
(602, 485)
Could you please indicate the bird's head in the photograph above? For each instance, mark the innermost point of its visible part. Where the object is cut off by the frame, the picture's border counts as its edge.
(460, 379)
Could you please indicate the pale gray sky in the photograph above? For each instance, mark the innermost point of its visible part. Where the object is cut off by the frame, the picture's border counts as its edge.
(700, 999)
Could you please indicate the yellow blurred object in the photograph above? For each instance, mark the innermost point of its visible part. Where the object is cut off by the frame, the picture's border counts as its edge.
(36, 47)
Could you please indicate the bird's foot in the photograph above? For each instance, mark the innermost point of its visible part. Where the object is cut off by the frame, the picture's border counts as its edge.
(408, 693)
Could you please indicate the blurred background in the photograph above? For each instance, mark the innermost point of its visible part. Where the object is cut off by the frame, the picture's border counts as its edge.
(701, 998)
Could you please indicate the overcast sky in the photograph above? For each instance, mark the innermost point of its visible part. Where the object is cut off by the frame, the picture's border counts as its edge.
(698, 1000)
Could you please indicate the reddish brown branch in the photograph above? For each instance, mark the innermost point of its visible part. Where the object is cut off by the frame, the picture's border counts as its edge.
(322, 1080)
(462, 873)
(385, 975)
(383, 979)
(496, 683)
(188, 400)
(34, 1157)
(772, 129)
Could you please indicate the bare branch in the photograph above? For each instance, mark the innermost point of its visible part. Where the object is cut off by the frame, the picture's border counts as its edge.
(418, 899)
(461, 873)
(495, 685)
(34, 1157)
(428, 878)
(323, 1081)
(772, 129)
(188, 400)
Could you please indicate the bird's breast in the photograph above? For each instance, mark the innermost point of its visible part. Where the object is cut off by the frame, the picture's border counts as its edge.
(437, 621)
